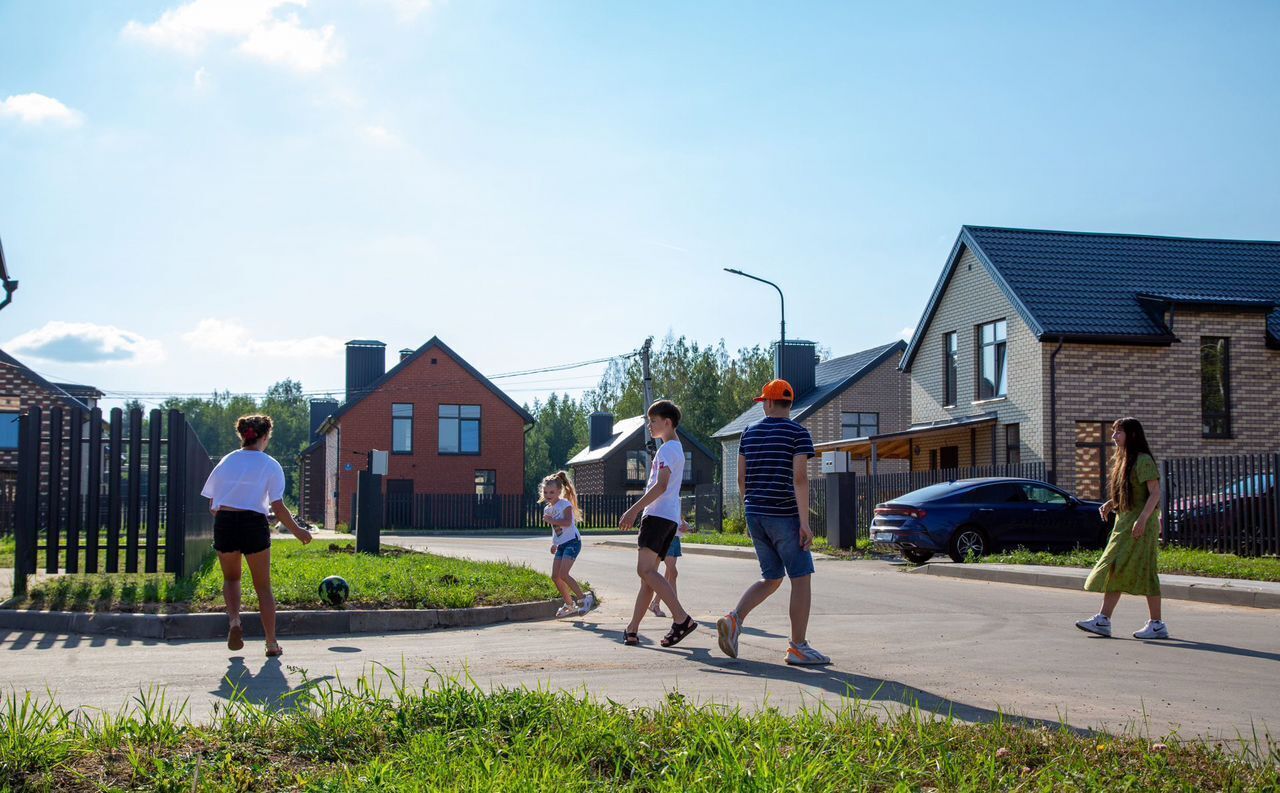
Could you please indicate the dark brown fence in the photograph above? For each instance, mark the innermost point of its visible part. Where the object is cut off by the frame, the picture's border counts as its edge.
(1226, 504)
(879, 488)
(8, 502)
(95, 496)
(470, 511)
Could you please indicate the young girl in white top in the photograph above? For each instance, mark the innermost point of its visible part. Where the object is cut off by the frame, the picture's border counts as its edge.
(562, 514)
(246, 486)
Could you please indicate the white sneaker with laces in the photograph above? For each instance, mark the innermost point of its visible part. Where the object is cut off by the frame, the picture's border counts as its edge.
(588, 603)
(1154, 629)
(804, 655)
(1097, 624)
(567, 610)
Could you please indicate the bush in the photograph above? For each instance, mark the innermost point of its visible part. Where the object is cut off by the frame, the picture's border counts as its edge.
(735, 522)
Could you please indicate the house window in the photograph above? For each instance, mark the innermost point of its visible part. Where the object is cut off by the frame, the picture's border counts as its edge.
(993, 379)
(950, 355)
(459, 429)
(859, 425)
(486, 483)
(637, 465)
(401, 429)
(1012, 444)
(688, 467)
(1215, 386)
(9, 430)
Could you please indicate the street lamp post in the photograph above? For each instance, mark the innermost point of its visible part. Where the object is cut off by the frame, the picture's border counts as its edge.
(8, 283)
(782, 343)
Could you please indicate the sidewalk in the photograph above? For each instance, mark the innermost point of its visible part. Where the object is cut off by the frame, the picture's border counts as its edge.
(1223, 591)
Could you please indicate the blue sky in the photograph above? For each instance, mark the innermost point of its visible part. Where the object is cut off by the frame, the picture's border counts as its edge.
(217, 194)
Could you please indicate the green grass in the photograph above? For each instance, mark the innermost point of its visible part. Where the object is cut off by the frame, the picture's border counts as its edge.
(7, 550)
(376, 736)
(396, 579)
(1176, 561)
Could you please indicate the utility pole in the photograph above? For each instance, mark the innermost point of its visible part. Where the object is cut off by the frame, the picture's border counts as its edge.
(648, 392)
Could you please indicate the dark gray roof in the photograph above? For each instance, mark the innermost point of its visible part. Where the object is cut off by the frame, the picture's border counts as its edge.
(624, 431)
(81, 391)
(1114, 287)
(434, 343)
(54, 389)
(831, 378)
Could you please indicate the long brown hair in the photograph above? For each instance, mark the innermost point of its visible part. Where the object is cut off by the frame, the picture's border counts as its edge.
(1135, 445)
(566, 486)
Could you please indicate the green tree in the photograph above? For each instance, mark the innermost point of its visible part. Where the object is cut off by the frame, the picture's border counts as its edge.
(559, 434)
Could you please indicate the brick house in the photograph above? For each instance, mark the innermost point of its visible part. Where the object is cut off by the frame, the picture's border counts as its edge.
(311, 474)
(21, 388)
(853, 396)
(1033, 342)
(448, 428)
(615, 461)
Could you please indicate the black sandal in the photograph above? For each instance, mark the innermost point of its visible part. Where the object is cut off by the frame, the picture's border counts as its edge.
(679, 631)
(631, 638)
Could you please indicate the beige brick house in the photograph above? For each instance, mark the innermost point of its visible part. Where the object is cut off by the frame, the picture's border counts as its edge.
(853, 396)
(1033, 342)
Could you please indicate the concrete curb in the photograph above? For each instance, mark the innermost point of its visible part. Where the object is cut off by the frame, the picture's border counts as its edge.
(288, 623)
(1226, 592)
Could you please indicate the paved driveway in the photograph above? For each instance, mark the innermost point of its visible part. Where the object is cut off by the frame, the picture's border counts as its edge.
(969, 648)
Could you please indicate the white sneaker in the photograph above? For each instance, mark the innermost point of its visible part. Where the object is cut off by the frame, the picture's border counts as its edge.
(567, 611)
(1097, 624)
(804, 655)
(1154, 629)
(588, 603)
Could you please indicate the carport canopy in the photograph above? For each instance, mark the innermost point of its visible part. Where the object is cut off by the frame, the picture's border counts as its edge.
(897, 445)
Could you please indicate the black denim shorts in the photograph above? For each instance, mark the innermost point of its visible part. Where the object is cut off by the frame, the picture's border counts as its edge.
(656, 534)
(243, 532)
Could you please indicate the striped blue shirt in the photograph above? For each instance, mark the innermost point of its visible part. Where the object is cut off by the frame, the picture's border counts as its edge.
(770, 446)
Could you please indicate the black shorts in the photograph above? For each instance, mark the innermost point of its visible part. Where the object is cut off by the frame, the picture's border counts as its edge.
(656, 534)
(243, 532)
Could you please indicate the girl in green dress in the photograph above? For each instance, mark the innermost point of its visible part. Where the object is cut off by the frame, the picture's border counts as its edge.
(1129, 562)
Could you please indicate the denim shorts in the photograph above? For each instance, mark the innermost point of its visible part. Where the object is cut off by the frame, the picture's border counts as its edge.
(570, 549)
(777, 542)
(674, 551)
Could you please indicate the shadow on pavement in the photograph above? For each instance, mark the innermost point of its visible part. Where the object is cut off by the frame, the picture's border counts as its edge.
(843, 684)
(268, 688)
(23, 640)
(1187, 644)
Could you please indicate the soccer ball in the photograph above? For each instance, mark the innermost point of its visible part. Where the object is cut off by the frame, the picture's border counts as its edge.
(334, 590)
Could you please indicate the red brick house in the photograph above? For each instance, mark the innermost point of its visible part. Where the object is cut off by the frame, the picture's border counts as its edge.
(20, 389)
(448, 428)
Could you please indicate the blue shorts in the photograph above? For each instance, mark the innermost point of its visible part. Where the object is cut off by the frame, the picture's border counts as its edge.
(570, 549)
(674, 550)
(777, 542)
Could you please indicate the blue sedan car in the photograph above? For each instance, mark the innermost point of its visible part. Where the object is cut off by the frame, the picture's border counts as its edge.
(979, 516)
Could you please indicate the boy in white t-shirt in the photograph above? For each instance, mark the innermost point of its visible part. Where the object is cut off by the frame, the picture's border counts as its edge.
(659, 512)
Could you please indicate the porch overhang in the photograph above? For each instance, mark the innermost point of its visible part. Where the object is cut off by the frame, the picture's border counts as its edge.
(898, 445)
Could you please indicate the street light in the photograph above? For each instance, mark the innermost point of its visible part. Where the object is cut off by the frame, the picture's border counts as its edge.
(782, 344)
(8, 283)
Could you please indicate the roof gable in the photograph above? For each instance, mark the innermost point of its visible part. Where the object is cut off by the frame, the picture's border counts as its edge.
(625, 431)
(831, 377)
(1092, 286)
(54, 390)
(436, 344)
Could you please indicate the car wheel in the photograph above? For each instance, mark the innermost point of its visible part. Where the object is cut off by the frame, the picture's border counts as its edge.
(966, 540)
(917, 557)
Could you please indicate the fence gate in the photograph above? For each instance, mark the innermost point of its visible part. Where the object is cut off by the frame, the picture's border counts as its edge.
(121, 495)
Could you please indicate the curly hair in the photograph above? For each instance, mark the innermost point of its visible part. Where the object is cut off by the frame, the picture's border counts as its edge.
(251, 428)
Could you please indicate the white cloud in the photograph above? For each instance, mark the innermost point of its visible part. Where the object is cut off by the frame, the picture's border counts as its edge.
(408, 10)
(258, 28)
(907, 332)
(379, 135)
(86, 343)
(37, 109)
(232, 338)
(201, 78)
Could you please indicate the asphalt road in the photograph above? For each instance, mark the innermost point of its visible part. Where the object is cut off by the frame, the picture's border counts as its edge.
(971, 649)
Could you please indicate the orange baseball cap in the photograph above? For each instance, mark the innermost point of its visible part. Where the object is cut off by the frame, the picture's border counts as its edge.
(776, 390)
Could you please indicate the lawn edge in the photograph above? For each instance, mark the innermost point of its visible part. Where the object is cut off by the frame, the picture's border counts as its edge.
(288, 623)
(1239, 592)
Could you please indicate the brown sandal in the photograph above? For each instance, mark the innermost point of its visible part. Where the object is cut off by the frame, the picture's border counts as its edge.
(274, 650)
(235, 637)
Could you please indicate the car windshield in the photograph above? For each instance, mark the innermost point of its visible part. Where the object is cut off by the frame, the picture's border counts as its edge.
(1251, 485)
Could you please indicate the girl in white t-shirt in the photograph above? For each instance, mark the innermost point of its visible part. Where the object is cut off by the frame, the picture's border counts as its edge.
(562, 514)
(246, 486)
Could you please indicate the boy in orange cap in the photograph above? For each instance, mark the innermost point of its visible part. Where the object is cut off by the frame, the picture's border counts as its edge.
(773, 477)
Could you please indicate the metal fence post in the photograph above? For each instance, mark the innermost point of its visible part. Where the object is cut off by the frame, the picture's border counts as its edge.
(28, 506)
